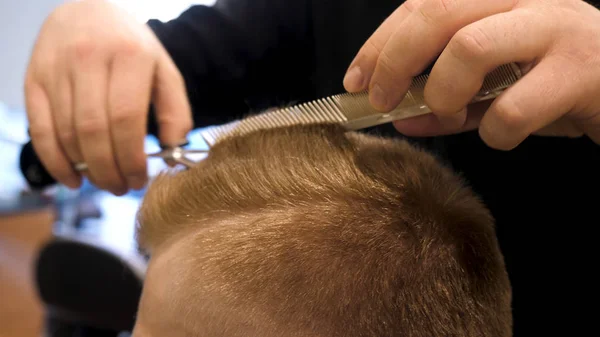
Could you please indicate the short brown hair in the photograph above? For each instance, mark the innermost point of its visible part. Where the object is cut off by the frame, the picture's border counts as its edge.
(334, 233)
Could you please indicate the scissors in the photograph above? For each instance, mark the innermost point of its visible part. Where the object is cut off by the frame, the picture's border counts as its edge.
(171, 155)
(38, 177)
(177, 154)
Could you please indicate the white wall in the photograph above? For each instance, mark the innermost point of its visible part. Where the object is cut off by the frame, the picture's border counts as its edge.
(20, 21)
(19, 25)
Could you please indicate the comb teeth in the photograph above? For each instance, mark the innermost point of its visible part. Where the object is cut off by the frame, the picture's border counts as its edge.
(353, 110)
(325, 110)
(501, 78)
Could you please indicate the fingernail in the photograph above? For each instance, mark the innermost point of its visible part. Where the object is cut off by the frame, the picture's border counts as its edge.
(353, 81)
(119, 192)
(378, 97)
(136, 182)
(73, 183)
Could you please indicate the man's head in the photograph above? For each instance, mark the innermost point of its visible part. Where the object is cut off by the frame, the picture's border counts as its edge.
(311, 231)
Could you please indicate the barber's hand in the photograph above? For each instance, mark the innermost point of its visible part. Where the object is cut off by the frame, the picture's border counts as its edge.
(556, 42)
(93, 72)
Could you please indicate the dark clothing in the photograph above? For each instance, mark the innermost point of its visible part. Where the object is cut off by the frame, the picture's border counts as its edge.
(247, 55)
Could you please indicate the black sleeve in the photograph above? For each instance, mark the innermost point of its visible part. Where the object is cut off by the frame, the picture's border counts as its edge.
(233, 51)
(595, 3)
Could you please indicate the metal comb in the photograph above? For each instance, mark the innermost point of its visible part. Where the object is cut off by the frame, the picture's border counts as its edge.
(353, 110)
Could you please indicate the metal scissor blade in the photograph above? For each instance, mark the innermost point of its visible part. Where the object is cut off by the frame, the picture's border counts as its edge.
(176, 155)
(188, 163)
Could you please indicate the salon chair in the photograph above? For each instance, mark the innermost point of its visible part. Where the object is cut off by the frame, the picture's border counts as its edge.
(87, 289)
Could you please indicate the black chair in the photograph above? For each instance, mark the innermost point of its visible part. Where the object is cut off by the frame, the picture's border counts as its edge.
(88, 290)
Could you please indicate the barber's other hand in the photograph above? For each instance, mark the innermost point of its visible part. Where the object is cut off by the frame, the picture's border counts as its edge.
(93, 72)
(556, 42)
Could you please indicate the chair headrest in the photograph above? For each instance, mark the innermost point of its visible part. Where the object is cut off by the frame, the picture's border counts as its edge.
(88, 285)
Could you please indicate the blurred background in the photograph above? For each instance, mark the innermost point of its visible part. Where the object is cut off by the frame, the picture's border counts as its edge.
(69, 265)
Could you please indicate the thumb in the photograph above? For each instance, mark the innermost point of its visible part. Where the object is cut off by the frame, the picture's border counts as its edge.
(430, 125)
(172, 108)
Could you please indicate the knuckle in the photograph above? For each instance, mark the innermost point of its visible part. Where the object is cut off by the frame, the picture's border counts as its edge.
(386, 62)
(83, 48)
(390, 75)
(131, 47)
(91, 127)
(433, 11)
(470, 43)
(125, 116)
(67, 136)
(372, 47)
(447, 6)
(426, 15)
(411, 6)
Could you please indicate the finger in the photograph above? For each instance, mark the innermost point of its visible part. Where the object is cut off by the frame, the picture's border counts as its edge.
(418, 40)
(563, 127)
(173, 112)
(129, 99)
(43, 135)
(90, 84)
(60, 91)
(358, 74)
(543, 96)
(430, 125)
(62, 113)
(479, 48)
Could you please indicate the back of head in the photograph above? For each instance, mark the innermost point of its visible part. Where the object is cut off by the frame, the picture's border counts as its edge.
(313, 231)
